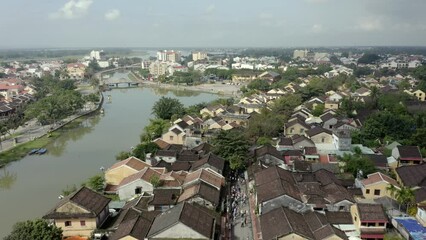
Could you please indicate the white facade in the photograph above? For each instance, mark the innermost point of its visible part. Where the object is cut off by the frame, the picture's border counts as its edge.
(199, 56)
(95, 55)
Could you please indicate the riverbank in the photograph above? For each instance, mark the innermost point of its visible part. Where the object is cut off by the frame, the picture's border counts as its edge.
(35, 136)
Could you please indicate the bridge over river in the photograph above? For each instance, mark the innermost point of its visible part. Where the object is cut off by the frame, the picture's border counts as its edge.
(133, 81)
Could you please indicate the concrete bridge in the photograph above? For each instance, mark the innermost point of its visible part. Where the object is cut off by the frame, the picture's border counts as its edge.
(122, 81)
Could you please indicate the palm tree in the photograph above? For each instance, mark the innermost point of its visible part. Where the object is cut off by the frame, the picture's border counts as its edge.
(392, 190)
(405, 196)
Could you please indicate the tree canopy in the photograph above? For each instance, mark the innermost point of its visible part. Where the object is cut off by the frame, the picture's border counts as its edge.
(368, 58)
(166, 107)
(34, 230)
(233, 146)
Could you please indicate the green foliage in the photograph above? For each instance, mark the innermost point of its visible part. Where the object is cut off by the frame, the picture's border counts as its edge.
(122, 155)
(362, 71)
(419, 138)
(69, 189)
(54, 107)
(166, 107)
(286, 104)
(194, 110)
(232, 146)
(142, 149)
(155, 181)
(368, 58)
(318, 110)
(34, 230)
(260, 85)
(385, 123)
(420, 73)
(354, 163)
(392, 236)
(264, 141)
(188, 78)
(220, 73)
(93, 97)
(223, 101)
(154, 129)
(96, 183)
(266, 124)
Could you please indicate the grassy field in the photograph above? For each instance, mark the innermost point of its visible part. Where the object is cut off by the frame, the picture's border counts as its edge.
(22, 150)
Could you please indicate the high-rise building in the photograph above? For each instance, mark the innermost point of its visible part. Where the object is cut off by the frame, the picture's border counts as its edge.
(300, 53)
(95, 55)
(168, 56)
(158, 68)
(199, 56)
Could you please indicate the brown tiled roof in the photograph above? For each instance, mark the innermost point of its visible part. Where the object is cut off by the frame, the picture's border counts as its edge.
(195, 217)
(146, 175)
(378, 160)
(180, 166)
(202, 190)
(317, 130)
(410, 152)
(182, 124)
(214, 179)
(177, 131)
(165, 196)
(268, 150)
(86, 198)
(339, 217)
(327, 116)
(285, 141)
(274, 182)
(310, 150)
(412, 176)
(302, 166)
(282, 222)
(297, 121)
(161, 143)
(378, 177)
(371, 212)
(210, 159)
(166, 153)
(188, 157)
(204, 147)
(137, 228)
(131, 162)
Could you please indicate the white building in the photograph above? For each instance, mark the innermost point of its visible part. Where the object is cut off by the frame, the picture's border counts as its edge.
(95, 55)
(300, 53)
(168, 56)
(158, 68)
(199, 56)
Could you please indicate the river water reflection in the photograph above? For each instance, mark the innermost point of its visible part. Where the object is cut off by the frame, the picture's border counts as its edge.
(31, 186)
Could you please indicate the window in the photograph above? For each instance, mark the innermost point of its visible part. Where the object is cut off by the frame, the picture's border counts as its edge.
(381, 224)
(302, 130)
(376, 192)
(367, 191)
(171, 138)
(322, 140)
(82, 223)
(138, 190)
(341, 208)
(291, 130)
(67, 223)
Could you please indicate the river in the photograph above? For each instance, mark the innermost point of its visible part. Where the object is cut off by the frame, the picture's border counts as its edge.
(30, 187)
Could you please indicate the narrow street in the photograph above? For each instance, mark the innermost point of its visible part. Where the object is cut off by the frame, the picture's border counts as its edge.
(240, 209)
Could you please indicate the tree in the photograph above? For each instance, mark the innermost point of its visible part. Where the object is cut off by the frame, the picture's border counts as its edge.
(68, 190)
(383, 124)
(96, 183)
(353, 164)
(166, 107)
(122, 155)
(318, 110)
(286, 104)
(233, 146)
(142, 149)
(259, 84)
(154, 129)
(34, 230)
(155, 181)
(368, 58)
(265, 124)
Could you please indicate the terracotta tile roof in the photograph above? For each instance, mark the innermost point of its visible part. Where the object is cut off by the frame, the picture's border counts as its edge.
(137, 228)
(412, 176)
(161, 143)
(180, 166)
(131, 162)
(409, 152)
(378, 177)
(194, 217)
(317, 130)
(210, 159)
(339, 217)
(378, 160)
(310, 150)
(213, 179)
(268, 150)
(203, 191)
(165, 196)
(146, 174)
(84, 197)
(204, 147)
(285, 141)
(371, 212)
(166, 153)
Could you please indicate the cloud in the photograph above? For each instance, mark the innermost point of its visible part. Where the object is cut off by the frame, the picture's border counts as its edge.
(317, 28)
(112, 14)
(211, 8)
(369, 24)
(72, 9)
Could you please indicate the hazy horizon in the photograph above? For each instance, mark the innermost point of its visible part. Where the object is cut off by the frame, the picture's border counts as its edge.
(212, 24)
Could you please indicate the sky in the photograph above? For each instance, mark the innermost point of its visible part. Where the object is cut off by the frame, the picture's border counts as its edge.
(208, 23)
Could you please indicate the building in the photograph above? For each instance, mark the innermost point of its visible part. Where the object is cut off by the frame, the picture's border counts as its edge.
(376, 185)
(342, 140)
(168, 56)
(300, 53)
(419, 94)
(76, 71)
(79, 213)
(158, 68)
(184, 221)
(199, 56)
(95, 55)
(120, 170)
(407, 155)
(370, 220)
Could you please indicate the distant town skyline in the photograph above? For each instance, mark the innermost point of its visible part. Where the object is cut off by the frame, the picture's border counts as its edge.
(220, 23)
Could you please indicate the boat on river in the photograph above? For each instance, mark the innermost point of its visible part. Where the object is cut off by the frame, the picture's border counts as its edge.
(42, 151)
(33, 151)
